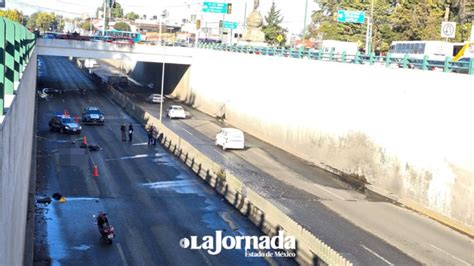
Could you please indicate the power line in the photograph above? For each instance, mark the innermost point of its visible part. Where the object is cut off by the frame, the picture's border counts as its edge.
(43, 8)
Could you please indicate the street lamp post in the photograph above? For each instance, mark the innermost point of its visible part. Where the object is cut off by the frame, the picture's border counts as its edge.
(162, 84)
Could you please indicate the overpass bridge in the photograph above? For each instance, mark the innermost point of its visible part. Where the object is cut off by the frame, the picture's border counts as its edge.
(104, 50)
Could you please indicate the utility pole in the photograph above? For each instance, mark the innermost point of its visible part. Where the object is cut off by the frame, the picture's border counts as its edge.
(304, 26)
(104, 15)
(368, 37)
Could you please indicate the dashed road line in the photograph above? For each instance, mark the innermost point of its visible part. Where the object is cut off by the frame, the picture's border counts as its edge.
(377, 255)
(122, 255)
(449, 254)
(330, 192)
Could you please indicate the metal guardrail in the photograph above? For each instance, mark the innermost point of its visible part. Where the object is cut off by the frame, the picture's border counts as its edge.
(466, 67)
(16, 46)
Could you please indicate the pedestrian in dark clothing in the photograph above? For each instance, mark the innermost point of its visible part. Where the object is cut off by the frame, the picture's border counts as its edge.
(150, 135)
(123, 128)
(130, 132)
(155, 135)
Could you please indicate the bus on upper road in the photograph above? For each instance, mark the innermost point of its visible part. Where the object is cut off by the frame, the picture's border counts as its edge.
(135, 36)
(435, 50)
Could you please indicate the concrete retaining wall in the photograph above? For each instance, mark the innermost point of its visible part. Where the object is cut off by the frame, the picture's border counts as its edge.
(405, 131)
(16, 140)
(310, 250)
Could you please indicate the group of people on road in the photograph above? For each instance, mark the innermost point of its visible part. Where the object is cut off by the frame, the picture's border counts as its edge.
(152, 133)
(123, 129)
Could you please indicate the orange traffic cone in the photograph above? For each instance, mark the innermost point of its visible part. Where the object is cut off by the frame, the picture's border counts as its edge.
(84, 140)
(95, 171)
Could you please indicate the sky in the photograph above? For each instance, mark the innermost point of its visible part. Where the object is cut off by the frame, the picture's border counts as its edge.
(292, 11)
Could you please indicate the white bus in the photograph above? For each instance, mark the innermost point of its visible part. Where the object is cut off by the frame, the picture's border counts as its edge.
(435, 50)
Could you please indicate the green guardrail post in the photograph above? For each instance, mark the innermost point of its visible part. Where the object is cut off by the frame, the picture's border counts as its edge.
(9, 57)
(300, 52)
(405, 61)
(320, 54)
(471, 66)
(424, 66)
(344, 57)
(2, 64)
(282, 51)
(273, 51)
(17, 52)
(331, 55)
(357, 58)
(447, 65)
(388, 60)
(372, 58)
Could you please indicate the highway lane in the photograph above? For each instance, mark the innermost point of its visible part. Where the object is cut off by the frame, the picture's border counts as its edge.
(152, 199)
(299, 187)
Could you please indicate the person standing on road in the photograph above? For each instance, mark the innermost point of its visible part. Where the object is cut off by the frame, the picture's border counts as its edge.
(150, 135)
(130, 132)
(155, 134)
(123, 128)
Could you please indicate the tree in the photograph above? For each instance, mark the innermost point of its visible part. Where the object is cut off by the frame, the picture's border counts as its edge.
(31, 24)
(272, 27)
(117, 11)
(122, 26)
(45, 21)
(12, 14)
(87, 26)
(132, 16)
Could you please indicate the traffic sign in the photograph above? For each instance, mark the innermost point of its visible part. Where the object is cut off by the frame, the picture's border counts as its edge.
(230, 25)
(212, 7)
(350, 16)
(448, 29)
(280, 38)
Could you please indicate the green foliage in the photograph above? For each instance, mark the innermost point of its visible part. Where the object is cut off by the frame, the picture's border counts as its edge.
(132, 16)
(117, 11)
(12, 14)
(393, 20)
(122, 26)
(87, 26)
(273, 28)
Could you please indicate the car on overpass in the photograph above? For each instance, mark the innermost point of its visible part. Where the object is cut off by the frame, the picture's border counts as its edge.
(176, 111)
(92, 115)
(64, 124)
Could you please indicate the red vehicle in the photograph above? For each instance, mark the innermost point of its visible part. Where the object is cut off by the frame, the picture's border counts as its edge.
(122, 40)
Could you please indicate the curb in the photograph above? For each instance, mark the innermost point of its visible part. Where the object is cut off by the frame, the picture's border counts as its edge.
(412, 205)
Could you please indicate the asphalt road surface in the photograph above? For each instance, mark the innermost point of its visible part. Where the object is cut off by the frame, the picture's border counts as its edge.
(365, 228)
(152, 199)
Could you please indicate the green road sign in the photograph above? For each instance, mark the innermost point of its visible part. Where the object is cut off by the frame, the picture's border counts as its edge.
(350, 16)
(230, 25)
(212, 7)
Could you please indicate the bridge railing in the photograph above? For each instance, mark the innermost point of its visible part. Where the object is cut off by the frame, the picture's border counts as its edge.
(447, 65)
(16, 47)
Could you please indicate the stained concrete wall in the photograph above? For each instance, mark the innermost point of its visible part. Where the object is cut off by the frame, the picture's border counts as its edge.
(406, 131)
(16, 140)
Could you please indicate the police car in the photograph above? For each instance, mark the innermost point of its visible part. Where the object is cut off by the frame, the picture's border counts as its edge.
(64, 124)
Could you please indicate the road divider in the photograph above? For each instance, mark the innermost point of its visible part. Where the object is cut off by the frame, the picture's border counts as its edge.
(262, 212)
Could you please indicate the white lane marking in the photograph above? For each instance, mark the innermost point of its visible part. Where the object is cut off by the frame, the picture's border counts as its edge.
(188, 132)
(452, 256)
(377, 255)
(140, 144)
(138, 156)
(328, 191)
(122, 255)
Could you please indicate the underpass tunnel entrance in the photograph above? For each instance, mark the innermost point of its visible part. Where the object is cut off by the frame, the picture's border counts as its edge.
(150, 75)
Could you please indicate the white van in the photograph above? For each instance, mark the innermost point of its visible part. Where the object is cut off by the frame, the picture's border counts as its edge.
(230, 138)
